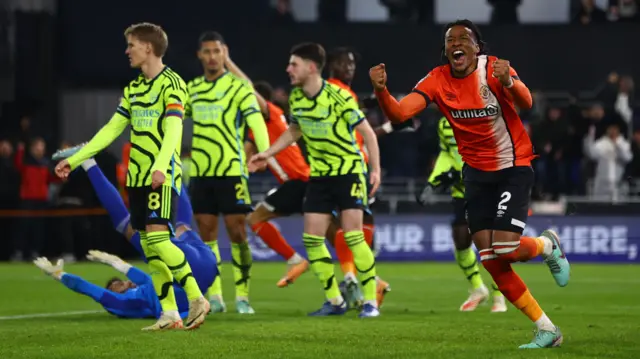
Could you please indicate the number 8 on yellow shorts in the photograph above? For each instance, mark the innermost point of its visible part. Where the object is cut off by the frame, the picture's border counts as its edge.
(152, 206)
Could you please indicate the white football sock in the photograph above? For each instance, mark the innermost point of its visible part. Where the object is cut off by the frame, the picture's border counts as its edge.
(544, 323)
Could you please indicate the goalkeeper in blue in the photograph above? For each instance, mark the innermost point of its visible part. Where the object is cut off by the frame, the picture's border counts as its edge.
(134, 298)
(197, 254)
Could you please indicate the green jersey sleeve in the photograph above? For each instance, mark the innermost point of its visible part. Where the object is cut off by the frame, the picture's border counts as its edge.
(248, 106)
(174, 98)
(351, 112)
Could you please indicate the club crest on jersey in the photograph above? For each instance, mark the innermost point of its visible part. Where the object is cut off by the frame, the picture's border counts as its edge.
(485, 93)
(489, 111)
(153, 97)
(323, 112)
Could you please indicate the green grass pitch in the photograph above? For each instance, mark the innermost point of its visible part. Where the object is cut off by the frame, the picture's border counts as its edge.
(599, 313)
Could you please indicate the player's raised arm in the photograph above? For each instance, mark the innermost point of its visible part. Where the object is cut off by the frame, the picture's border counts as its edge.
(408, 107)
(514, 88)
(100, 140)
(235, 69)
(172, 126)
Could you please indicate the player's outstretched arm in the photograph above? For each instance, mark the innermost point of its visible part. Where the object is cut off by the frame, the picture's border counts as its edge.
(101, 140)
(54, 271)
(235, 69)
(407, 108)
(371, 142)
(73, 282)
(291, 135)
(105, 258)
(288, 137)
(134, 274)
(514, 88)
(249, 149)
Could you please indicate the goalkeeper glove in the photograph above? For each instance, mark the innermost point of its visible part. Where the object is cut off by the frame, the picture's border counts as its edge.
(55, 271)
(438, 186)
(448, 179)
(110, 259)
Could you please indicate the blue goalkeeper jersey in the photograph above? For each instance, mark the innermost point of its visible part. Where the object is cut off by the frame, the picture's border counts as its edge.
(139, 302)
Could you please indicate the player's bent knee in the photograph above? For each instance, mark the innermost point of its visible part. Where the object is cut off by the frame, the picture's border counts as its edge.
(461, 236)
(236, 228)
(262, 213)
(351, 220)
(206, 222)
(504, 243)
(482, 239)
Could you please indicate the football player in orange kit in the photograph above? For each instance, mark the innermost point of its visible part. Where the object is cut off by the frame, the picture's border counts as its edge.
(478, 95)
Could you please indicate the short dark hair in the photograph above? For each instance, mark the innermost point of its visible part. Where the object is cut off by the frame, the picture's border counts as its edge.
(474, 29)
(311, 51)
(264, 89)
(210, 36)
(111, 281)
(337, 53)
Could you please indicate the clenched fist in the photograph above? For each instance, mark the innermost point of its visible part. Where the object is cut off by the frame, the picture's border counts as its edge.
(378, 77)
(501, 71)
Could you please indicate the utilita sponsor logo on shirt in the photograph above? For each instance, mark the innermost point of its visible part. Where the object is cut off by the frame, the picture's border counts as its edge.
(488, 111)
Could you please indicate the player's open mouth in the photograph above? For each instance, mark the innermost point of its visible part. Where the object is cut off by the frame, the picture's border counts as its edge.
(458, 57)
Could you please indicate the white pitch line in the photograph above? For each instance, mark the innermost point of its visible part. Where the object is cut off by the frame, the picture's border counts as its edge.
(48, 315)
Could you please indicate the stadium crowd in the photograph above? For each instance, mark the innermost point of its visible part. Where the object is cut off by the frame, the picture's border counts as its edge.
(586, 148)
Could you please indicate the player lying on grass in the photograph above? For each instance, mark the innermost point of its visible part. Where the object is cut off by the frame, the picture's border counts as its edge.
(197, 253)
(134, 298)
(447, 174)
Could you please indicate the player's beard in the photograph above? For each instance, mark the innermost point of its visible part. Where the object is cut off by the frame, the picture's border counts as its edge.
(214, 71)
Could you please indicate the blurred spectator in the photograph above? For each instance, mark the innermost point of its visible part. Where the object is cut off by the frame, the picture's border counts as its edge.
(34, 194)
(504, 11)
(122, 168)
(589, 13)
(25, 130)
(624, 10)
(9, 177)
(617, 96)
(281, 13)
(598, 117)
(623, 104)
(611, 153)
(9, 188)
(419, 11)
(633, 169)
(552, 139)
